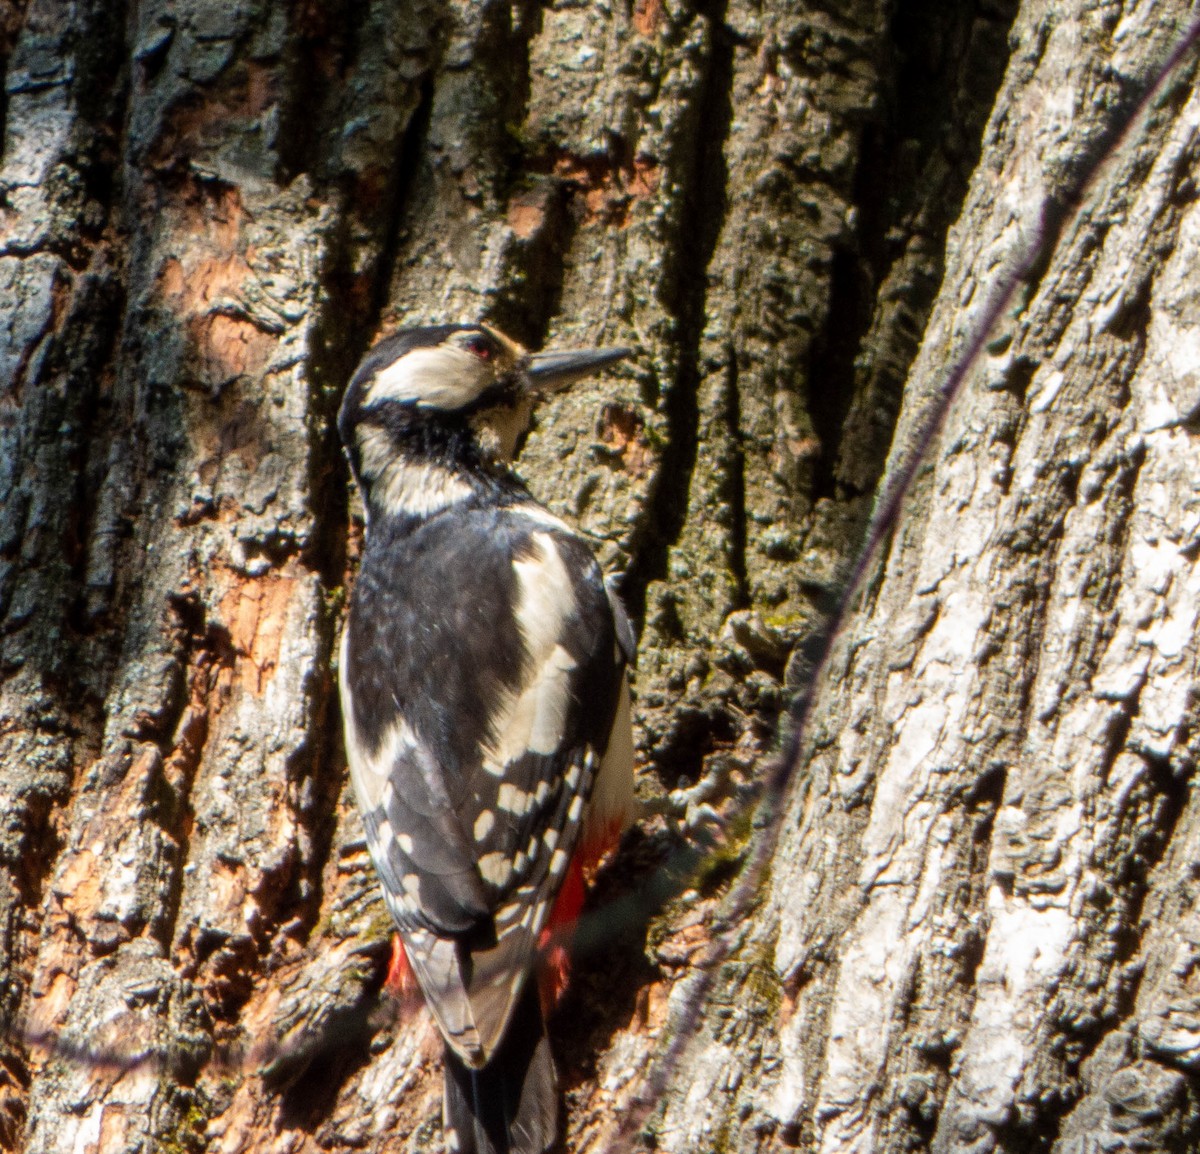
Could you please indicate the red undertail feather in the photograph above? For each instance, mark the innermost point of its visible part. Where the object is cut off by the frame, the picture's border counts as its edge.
(555, 942)
(400, 982)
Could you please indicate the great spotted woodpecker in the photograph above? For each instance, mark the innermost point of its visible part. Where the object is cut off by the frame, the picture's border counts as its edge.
(485, 702)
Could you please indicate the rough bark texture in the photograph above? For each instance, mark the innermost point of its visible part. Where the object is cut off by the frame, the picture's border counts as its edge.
(979, 930)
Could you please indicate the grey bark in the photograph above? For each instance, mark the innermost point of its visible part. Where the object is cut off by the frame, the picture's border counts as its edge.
(210, 209)
(979, 928)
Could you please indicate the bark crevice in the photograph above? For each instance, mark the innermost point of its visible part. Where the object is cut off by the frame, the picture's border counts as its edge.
(665, 510)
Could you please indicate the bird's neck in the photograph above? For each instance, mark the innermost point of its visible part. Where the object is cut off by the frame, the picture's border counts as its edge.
(408, 482)
(413, 489)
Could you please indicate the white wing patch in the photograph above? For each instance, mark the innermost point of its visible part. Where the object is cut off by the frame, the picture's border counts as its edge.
(370, 770)
(513, 800)
(611, 806)
(532, 721)
(542, 516)
(496, 869)
(552, 702)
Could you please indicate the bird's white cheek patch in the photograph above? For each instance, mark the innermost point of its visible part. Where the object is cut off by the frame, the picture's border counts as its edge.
(499, 430)
(404, 487)
(443, 377)
(418, 490)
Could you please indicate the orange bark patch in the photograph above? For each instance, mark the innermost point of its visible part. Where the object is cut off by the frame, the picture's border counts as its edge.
(793, 449)
(228, 886)
(199, 281)
(204, 281)
(51, 1002)
(79, 884)
(255, 613)
(114, 1126)
(643, 178)
(609, 191)
(526, 215)
(681, 947)
(100, 867)
(214, 219)
(647, 16)
(787, 1007)
(650, 1010)
(53, 986)
(179, 767)
(623, 434)
(229, 348)
(171, 279)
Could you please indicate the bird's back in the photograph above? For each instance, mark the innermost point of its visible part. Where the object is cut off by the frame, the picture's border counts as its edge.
(480, 695)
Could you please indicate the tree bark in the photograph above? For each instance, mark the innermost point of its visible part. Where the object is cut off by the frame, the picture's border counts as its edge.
(976, 932)
(979, 929)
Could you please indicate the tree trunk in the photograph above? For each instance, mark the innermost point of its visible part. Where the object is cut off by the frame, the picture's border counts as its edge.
(980, 929)
(976, 932)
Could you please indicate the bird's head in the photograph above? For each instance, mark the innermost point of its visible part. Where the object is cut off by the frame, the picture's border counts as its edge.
(451, 400)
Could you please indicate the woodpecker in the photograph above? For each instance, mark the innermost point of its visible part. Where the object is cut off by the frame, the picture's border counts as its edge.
(486, 705)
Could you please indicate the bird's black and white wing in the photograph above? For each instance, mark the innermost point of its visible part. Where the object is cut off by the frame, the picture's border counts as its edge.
(477, 717)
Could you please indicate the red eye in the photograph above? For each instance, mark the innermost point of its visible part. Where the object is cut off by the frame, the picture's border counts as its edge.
(482, 348)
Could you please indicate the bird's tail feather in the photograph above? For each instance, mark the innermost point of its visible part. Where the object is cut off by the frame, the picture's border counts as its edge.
(509, 1106)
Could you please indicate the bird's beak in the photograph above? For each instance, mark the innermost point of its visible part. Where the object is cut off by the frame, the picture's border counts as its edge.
(550, 371)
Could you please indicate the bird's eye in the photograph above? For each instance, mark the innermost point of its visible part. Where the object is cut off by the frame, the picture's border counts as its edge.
(481, 347)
